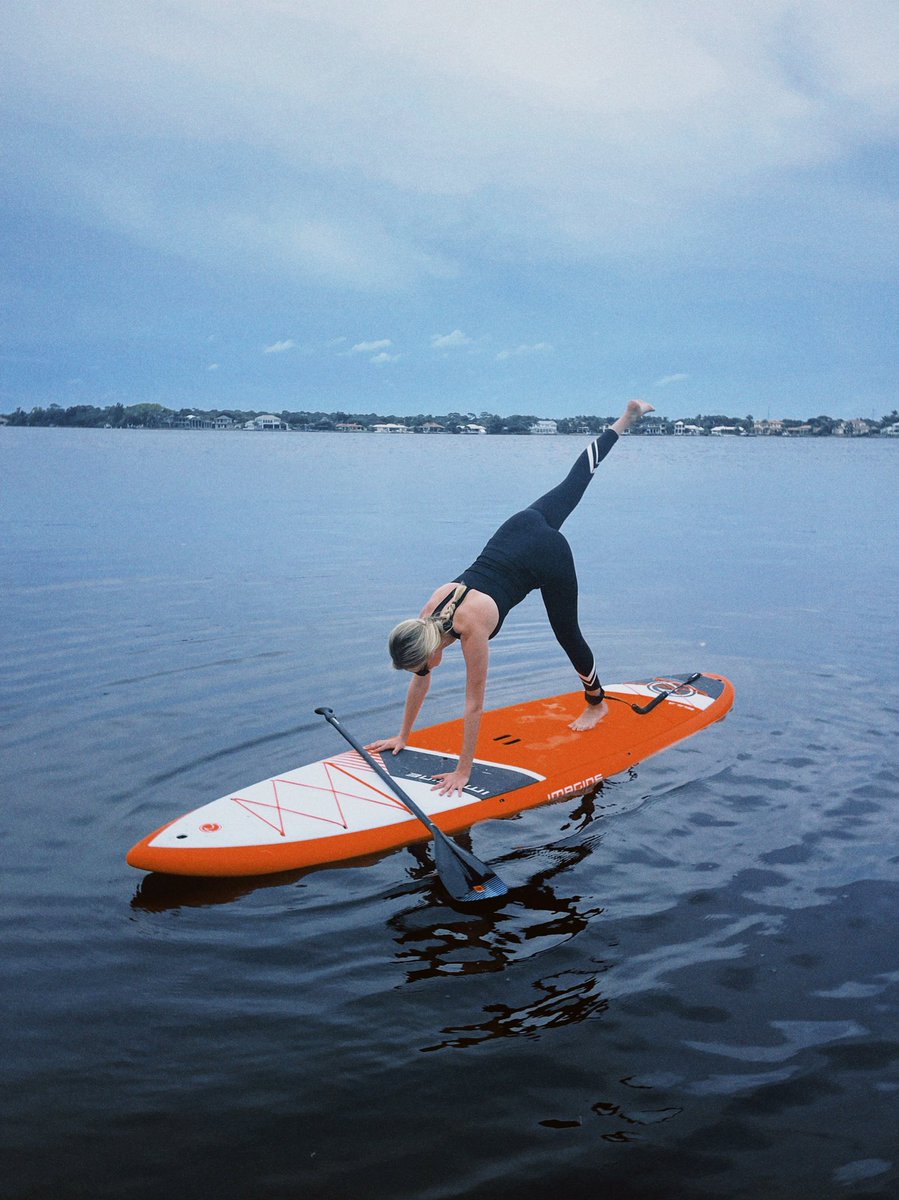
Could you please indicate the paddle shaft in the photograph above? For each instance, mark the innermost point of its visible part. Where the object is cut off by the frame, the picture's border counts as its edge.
(413, 808)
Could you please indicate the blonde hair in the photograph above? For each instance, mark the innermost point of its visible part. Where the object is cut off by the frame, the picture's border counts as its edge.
(413, 642)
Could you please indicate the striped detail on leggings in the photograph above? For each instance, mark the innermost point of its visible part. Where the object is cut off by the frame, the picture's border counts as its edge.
(599, 448)
(591, 681)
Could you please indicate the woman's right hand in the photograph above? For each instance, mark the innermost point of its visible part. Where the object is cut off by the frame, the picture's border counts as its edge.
(396, 744)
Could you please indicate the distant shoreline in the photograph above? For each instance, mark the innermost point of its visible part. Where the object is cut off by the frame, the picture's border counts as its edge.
(155, 416)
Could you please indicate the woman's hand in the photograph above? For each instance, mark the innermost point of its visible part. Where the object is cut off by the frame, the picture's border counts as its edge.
(396, 744)
(450, 781)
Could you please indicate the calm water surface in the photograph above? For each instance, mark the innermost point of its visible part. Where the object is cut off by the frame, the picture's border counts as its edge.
(691, 990)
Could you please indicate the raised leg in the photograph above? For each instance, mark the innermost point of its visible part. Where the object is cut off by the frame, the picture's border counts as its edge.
(560, 502)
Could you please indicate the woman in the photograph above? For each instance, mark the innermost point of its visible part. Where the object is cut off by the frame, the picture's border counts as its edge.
(525, 553)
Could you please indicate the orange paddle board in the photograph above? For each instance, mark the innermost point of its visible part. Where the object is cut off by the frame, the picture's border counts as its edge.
(339, 808)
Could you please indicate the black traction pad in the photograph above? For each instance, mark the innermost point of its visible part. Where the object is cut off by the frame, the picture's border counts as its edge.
(487, 779)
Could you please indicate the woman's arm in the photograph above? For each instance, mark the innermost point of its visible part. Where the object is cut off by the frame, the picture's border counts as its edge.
(477, 656)
(415, 698)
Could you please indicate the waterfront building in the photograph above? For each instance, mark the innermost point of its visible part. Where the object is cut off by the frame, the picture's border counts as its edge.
(266, 422)
(544, 426)
(857, 427)
(652, 426)
(191, 421)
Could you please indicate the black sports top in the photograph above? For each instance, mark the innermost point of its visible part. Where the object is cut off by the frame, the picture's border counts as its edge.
(508, 567)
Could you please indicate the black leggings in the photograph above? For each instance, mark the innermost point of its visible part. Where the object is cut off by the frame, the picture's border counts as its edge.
(531, 545)
(557, 574)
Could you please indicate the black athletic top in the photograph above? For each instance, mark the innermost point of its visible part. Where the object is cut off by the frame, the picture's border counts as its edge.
(502, 570)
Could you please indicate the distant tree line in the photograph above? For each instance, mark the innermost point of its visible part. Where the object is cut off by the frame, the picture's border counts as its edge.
(156, 416)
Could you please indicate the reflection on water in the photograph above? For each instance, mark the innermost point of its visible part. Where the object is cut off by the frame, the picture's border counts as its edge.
(162, 893)
(566, 998)
(444, 938)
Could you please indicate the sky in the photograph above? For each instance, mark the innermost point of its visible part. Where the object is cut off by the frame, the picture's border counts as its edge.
(421, 206)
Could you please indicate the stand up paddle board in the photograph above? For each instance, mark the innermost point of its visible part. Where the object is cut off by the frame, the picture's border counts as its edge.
(339, 808)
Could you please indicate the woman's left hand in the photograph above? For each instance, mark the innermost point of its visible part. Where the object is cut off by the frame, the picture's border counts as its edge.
(451, 781)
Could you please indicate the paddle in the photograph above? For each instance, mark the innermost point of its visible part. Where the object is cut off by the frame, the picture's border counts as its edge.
(465, 877)
(643, 709)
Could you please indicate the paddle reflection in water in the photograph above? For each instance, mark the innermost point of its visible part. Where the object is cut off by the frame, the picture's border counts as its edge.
(446, 939)
(565, 998)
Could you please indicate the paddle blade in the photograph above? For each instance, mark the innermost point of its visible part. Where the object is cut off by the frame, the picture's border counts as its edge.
(465, 877)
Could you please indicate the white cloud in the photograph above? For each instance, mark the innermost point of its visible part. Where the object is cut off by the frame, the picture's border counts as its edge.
(279, 347)
(212, 367)
(446, 341)
(523, 350)
(571, 131)
(380, 359)
(367, 347)
(668, 379)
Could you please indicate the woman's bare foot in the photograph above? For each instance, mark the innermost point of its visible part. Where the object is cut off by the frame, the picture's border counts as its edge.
(634, 411)
(639, 408)
(590, 717)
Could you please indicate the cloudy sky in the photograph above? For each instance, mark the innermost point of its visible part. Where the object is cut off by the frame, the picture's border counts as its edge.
(410, 206)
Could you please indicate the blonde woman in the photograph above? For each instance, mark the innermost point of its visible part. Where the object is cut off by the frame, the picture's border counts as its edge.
(525, 553)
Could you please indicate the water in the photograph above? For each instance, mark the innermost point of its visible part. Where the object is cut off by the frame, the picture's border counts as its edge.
(691, 990)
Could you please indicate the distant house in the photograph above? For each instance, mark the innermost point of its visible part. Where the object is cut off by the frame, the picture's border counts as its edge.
(682, 429)
(651, 426)
(191, 421)
(432, 427)
(223, 423)
(473, 429)
(891, 430)
(768, 428)
(854, 428)
(390, 427)
(544, 427)
(726, 430)
(266, 422)
(350, 427)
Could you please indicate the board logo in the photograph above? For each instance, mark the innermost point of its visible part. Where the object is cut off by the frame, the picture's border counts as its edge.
(672, 686)
(210, 827)
(575, 789)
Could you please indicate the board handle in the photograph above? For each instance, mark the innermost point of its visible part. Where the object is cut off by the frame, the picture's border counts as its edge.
(643, 709)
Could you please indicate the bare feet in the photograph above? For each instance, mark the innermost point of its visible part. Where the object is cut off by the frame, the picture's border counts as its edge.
(639, 408)
(634, 411)
(590, 717)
